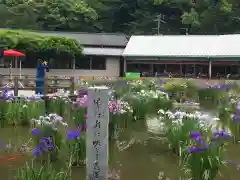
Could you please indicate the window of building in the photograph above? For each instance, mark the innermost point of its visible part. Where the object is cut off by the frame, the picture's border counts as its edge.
(133, 68)
(144, 67)
(233, 70)
(90, 63)
(83, 62)
(202, 69)
(98, 63)
(173, 68)
(29, 63)
(159, 68)
(60, 63)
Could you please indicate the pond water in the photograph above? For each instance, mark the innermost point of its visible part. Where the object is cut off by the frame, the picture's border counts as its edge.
(143, 158)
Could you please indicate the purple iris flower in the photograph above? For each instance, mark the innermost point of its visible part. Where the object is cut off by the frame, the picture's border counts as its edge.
(35, 132)
(44, 146)
(219, 86)
(6, 94)
(198, 139)
(221, 133)
(193, 149)
(73, 135)
(194, 134)
(6, 89)
(36, 152)
(48, 140)
(236, 115)
(236, 118)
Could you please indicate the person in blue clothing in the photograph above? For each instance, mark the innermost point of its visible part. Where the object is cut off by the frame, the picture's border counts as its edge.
(42, 68)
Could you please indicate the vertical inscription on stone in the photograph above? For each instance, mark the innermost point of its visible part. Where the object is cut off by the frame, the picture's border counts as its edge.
(97, 134)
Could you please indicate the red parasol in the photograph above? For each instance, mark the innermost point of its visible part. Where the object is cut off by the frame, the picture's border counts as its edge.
(12, 52)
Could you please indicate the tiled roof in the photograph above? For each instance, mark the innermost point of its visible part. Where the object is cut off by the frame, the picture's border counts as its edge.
(94, 39)
(99, 39)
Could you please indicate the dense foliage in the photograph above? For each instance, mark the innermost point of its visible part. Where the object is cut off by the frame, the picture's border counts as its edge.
(34, 42)
(136, 16)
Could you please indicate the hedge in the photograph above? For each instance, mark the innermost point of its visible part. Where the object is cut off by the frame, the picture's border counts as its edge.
(35, 42)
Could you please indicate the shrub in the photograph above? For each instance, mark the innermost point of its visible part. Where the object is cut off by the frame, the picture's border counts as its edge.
(36, 42)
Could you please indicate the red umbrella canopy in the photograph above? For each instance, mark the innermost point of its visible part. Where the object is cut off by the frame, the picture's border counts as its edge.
(12, 52)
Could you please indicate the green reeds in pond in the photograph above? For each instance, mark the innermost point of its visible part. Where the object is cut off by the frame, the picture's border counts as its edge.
(20, 111)
(205, 155)
(230, 119)
(78, 115)
(46, 172)
(114, 120)
(3, 113)
(56, 105)
(177, 133)
(139, 104)
(31, 110)
(118, 123)
(160, 103)
(13, 114)
(235, 130)
(225, 116)
(211, 97)
(76, 143)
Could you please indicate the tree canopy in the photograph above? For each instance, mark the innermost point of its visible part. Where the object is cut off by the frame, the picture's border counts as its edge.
(35, 42)
(128, 16)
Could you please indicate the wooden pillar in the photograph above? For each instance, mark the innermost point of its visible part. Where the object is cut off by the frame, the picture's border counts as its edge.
(151, 69)
(72, 85)
(74, 63)
(15, 62)
(194, 69)
(181, 73)
(124, 66)
(238, 67)
(97, 134)
(1, 79)
(209, 69)
(16, 86)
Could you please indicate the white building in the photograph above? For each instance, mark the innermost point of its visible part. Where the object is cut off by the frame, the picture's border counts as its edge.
(207, 55)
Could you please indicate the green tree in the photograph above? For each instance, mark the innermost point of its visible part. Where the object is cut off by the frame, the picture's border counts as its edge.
(128, 16)
(52, 14)
(207, 16)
